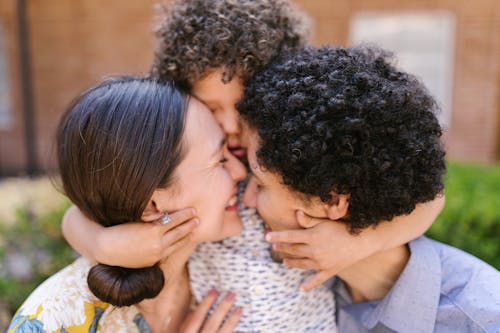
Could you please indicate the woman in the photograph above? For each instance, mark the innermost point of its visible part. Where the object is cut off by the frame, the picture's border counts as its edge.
(134, 149)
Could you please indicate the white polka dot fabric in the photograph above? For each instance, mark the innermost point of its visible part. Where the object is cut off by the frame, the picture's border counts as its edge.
(267, 291)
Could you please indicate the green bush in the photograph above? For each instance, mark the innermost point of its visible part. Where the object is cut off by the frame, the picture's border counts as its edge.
(471, 217)
(470, 221)
(37, 242)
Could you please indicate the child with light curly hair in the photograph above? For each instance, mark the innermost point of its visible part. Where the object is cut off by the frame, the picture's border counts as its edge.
(212, 49)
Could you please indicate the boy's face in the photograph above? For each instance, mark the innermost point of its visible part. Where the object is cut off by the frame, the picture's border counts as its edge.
(221, 99)
(276, 203)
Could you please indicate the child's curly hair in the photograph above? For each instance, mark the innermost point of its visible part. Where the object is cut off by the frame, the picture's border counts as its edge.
(241, 36)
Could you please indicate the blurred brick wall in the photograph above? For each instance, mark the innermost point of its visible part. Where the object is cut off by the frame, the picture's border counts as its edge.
(12, 154)
(73, 43)
(474, 129)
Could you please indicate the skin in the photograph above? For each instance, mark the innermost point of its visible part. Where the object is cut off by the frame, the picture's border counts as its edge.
(367, 279)
(208, 165)
(221, 99)
(206, 162)
(309, 248)
(276, 203)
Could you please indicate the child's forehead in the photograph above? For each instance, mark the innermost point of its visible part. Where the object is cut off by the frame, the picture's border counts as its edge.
(213, 89)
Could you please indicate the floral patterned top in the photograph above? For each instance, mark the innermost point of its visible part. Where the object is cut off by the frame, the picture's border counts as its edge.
(64, 303)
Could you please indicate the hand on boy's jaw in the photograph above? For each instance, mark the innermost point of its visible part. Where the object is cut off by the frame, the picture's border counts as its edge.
(312, 247)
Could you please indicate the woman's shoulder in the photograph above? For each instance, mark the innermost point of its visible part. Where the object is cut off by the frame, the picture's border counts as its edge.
(60, 302)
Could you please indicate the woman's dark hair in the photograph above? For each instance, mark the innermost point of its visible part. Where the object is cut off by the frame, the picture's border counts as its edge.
(116, 144)
(242, 36)
(346, 120)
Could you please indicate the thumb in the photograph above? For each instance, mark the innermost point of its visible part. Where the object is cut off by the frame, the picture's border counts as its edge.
(317, 279)
(306, 221)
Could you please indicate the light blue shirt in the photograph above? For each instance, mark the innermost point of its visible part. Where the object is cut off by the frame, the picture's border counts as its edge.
(441, 289)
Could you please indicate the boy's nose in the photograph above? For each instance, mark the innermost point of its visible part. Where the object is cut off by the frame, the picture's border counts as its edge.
(250, 195)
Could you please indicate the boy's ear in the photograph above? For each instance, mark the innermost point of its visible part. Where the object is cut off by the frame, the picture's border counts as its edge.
(151, 212)
(338, 206)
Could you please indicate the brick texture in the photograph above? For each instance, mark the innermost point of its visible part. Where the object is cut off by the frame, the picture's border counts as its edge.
(473, 134)
(74, 43)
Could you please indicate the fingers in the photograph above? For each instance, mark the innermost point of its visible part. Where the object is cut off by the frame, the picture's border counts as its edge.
(306, 221)
(231, 321)
(300, 263)
(294, 250)
(177, 245)
(197, 317)
(178, 218)
(289, 236)
(316, 280)
(180, 232)
(213, 323)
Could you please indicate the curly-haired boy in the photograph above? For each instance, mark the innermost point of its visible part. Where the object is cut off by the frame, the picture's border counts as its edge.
(341, 133)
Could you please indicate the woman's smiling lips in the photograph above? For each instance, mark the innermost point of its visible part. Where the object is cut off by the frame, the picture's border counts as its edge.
(232, 204)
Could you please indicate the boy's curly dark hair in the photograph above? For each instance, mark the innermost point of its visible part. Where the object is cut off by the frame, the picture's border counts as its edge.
(346, 120)
(197, 36)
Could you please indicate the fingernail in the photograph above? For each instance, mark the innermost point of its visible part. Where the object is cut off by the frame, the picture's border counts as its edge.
(275, 247)
(193, 210)
(196, 221)
(302, 289)
(229, 296)
(238, 310)
(268, 237)
(212, 292)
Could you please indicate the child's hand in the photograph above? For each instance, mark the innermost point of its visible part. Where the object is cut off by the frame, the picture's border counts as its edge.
(141, 244)
(199, 321)
(328, 247)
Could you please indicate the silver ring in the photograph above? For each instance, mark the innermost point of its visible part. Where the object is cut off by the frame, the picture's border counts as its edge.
(166, 219)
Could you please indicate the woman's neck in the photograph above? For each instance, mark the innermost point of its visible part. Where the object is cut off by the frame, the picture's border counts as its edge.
(166, 311)
(371, 278)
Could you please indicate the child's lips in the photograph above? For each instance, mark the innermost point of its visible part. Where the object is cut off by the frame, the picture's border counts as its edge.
(238, 151)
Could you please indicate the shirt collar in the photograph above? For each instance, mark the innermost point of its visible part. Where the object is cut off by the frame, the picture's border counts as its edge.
(411, 304)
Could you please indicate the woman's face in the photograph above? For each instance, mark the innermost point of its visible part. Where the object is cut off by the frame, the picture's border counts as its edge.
(221, 99)
(205, 179)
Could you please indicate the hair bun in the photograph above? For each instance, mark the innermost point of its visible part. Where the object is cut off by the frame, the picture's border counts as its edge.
(121, 286)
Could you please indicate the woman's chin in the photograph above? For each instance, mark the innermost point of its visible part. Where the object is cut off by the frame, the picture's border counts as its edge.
(232, 225)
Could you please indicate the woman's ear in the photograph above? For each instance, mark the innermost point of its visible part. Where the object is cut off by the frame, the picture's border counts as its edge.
(151, 212)
(338, 206)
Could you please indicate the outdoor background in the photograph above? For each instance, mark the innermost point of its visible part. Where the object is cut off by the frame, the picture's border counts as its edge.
(52, 49)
